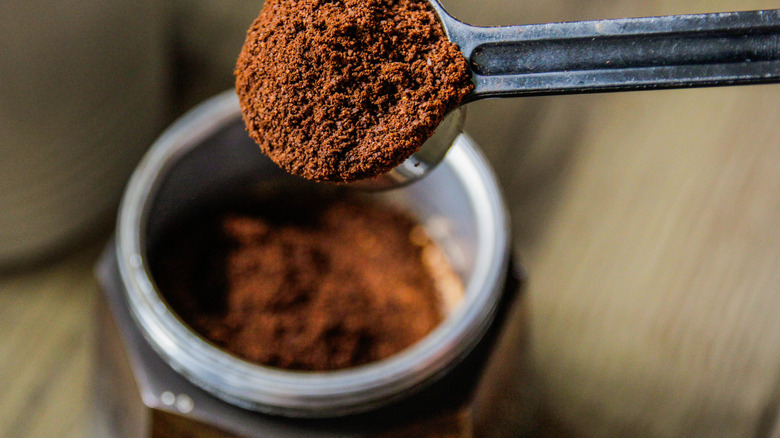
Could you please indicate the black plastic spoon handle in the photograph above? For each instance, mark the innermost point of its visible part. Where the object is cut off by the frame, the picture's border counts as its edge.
(679, 51)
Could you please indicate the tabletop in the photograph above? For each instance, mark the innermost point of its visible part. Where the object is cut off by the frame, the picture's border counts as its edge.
(648, 222)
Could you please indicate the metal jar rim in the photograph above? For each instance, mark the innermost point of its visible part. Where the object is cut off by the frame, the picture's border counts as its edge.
(295, 393)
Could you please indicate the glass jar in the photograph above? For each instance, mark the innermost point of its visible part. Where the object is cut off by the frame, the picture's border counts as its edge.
(207, 153)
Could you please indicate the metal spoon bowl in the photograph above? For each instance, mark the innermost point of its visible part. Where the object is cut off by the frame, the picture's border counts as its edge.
(676, 51)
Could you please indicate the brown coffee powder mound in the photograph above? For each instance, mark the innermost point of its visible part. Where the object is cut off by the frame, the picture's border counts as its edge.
(341, 90)
(306, 286)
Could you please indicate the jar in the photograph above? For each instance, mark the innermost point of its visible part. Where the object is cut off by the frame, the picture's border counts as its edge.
(179, 375)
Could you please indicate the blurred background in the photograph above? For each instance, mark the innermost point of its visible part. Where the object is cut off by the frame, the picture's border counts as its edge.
(649, 222)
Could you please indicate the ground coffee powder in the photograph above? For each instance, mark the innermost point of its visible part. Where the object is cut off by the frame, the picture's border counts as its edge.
(305, 285)
(340, 90)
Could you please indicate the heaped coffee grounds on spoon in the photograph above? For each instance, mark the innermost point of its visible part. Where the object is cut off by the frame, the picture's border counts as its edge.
(341, 90)
(305, 285)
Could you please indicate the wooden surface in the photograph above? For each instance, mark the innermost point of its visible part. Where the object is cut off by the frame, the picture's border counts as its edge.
(654, 263)
(650, 226)
(46, 326)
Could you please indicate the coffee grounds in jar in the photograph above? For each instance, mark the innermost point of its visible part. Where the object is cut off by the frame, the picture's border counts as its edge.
(299, 285)
(341, 90)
